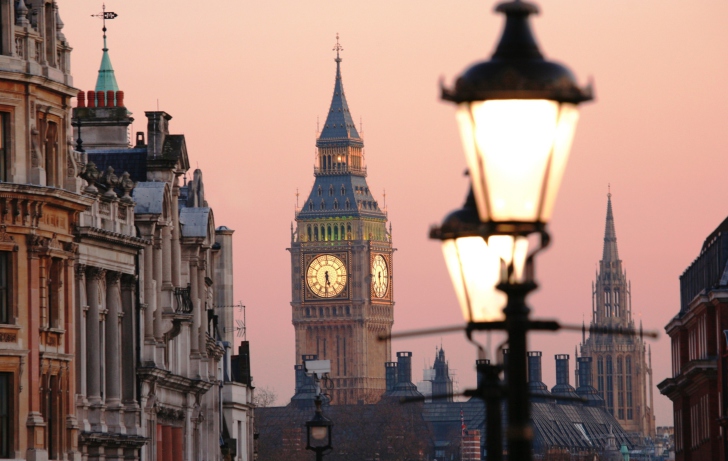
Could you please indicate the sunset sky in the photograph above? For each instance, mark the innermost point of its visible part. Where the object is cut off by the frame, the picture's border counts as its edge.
(246, 81)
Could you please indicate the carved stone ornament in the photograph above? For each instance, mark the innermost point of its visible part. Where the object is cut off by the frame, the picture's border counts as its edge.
(111, 181)
(35, 158)
(4, 236)
(127, 184)
(90, 174)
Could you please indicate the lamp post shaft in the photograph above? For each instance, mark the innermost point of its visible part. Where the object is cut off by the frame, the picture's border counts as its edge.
(491, 394)
(519, 434)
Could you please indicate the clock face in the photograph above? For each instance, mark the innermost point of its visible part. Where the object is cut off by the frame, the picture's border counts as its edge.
(326, 276)
(380, 276)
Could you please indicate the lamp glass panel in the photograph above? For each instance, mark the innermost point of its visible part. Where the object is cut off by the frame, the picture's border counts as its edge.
(475, 271)
(511, 250)
(319, 432)
(568, 117)
(508, 144)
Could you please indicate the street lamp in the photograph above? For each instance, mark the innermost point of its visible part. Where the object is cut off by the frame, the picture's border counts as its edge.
(318, 432)
(517, 115)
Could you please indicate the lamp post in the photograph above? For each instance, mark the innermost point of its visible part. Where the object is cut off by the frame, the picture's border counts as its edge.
(318, 432)
(517, 114)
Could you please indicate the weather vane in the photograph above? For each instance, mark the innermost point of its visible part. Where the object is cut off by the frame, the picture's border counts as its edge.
(338, 48)
(104, 15)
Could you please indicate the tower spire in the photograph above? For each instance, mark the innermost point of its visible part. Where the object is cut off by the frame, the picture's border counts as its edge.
(610, 252)
(106, 80)
(339, 123)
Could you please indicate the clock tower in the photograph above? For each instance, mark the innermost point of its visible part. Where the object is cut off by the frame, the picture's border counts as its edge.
(341, 263)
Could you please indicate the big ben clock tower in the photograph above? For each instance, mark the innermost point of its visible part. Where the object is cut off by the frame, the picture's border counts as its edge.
(341, 260)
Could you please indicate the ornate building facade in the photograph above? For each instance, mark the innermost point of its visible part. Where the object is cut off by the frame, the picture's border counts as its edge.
(341, 263)
(621, 364)
(698, 384)
(109, 342)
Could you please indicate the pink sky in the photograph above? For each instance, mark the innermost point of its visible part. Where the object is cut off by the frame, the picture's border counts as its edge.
(246, 81)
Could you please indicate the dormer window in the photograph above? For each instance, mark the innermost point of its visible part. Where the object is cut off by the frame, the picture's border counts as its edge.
(319, 191)
(310, 206)
(323, 205)
(336, 204)
(348, 204)
(343, 190)
(331, 191)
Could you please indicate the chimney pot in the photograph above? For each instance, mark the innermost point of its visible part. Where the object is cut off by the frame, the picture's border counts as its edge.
(100, 99)
(109, 98)
(120, 99)
(81, 99)
(91, 98)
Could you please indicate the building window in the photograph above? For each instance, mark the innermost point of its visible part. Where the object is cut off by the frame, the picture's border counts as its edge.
(331, 191)
(4, 145)
(6, 314)
(628, 385)
(343, 190)
(319, 191)
(610, 385)
(55, 293)
(7, 396)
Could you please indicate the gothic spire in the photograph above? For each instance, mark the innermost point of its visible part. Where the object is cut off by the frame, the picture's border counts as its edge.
(339, 123)
(610, 235)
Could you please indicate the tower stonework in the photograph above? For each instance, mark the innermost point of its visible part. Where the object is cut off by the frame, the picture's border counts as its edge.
(341, 264)
(621, 364)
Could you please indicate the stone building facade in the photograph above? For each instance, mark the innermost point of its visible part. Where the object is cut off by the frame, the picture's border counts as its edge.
(698, 334)
(621, 364)
(110, 344)
(341, 264)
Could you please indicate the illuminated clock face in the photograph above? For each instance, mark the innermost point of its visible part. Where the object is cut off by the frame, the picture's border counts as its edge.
(326, 276)
(380, 276)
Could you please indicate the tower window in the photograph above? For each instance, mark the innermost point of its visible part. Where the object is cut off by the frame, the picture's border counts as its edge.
(343, 190)
(323, 205)
(331, 191)
(348, 204)
(310, 206)
(319, 191)
(336, 204)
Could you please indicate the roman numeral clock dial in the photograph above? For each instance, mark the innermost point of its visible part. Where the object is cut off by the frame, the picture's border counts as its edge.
(380, 276)
(326, 276)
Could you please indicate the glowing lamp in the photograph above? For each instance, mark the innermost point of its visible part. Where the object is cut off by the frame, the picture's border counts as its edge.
(517, 114)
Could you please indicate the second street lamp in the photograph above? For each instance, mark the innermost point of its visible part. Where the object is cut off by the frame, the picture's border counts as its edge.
(517, 115)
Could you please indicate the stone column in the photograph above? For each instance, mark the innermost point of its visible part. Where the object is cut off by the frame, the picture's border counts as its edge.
(150, 295)
(176, 250)
(93, 347)
(196, 310)
(167, 257)
(202, 293)
(80, 314)
(114, 408)
(158, 333)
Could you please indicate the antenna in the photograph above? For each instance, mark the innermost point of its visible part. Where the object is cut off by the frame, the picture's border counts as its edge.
(296, 198)
(240, 328)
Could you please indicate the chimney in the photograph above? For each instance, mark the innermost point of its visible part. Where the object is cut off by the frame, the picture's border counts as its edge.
(120, 99)
(109, 98)
(157, 130)
(100, 99)
(91, 98)
(241, 364)
(404, 367)
(586, 390)
(479, 368)
(535, 385)
(81, 99)
(562, 387)
(390, 369)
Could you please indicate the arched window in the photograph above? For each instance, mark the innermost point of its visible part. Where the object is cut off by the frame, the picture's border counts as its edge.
(310, 206)
(336, 232)
(323, 204)
(348, 204)
(331, 190)
(348, 231)
(336, 204)
(610, 385)
(319, 191)
(343, 232)
(308, 228)
(328, 232)
(343, 190)
(620, 387)
(628, 385)
(315, 233)
(321, 311)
